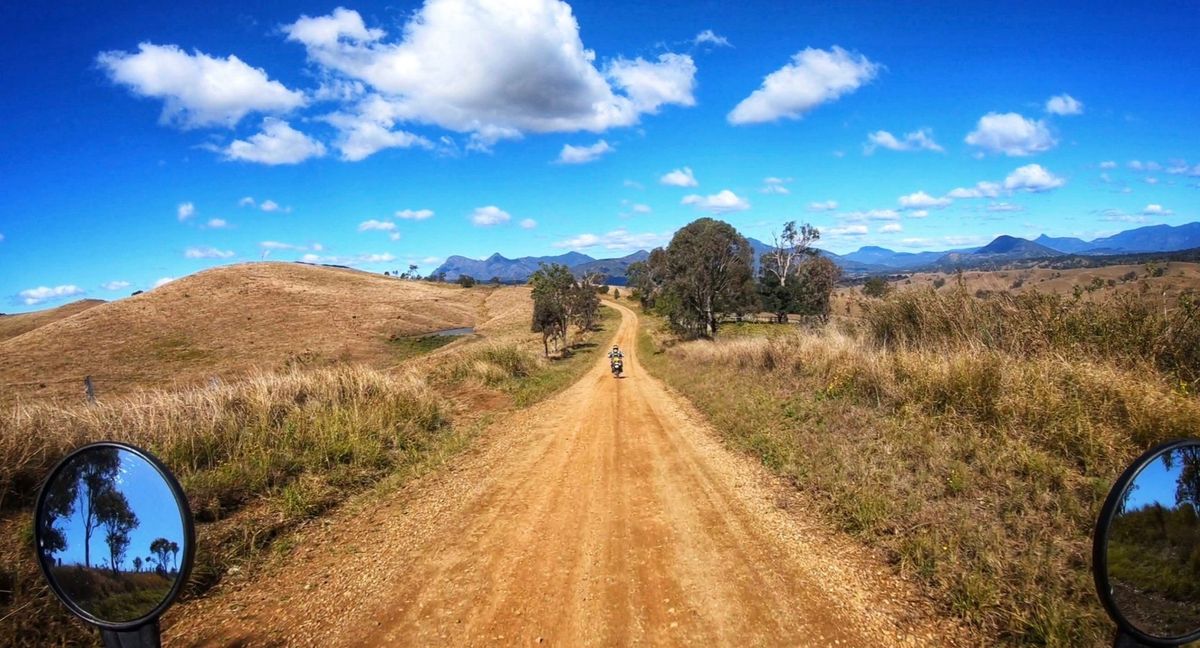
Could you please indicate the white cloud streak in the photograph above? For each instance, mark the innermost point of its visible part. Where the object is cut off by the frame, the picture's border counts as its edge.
(919, 140)
(813, 77)
(583, 154)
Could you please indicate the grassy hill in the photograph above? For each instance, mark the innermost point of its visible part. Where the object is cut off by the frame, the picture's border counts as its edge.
(225, 322)
(13, 325)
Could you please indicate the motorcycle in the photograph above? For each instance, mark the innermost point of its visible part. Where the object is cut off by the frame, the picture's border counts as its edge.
(1145, 546)
(618, 365)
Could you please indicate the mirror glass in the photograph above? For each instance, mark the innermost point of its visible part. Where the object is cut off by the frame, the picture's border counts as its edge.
(1154, 546)
(111, 534)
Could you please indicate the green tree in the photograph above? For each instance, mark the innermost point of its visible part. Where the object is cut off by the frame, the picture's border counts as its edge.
(137, 563)
(784, 271)
(553, 287)
(708, 274)
(584, 306)
(816, 278)
(466, 281)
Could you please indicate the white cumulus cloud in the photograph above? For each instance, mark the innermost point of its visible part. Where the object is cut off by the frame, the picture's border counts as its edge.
(813, 77)
(828, 205)
(163, 281)
(1033, 178)
(489, 215)
(493, 69)
(198, 89)
(890, 228)
(1108, 164)
(722, 202)
(34, 296)
(679, 178)
(278, 143)
(919, 140)
(1156, 210)
(583, 154)
(247, 201)
(1064, 104)
(528, 223)
(1011, 134)
(115, 285)
(217, 223)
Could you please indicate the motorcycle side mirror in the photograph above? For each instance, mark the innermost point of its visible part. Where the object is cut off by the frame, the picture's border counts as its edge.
(115, 540)
(1146, 549)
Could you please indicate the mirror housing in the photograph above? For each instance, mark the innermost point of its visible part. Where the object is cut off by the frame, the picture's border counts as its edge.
(114, 494)
(1142, 603)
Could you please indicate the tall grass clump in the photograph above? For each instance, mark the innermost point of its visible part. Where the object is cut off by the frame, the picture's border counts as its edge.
(973, 441)
(255, 458)
(1129, 327)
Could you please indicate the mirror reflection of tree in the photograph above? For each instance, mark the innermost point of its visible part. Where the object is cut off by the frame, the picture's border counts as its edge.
(1154, 546)
(1187, 489)
(98, 518)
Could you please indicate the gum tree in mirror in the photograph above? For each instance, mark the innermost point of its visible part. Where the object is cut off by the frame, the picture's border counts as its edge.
(1150, 547)
(114, 536)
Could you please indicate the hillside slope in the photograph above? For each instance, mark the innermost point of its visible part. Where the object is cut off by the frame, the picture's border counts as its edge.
(13, 325)
(226, 321)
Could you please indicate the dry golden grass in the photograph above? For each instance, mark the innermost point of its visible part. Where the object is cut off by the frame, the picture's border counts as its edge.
(13, 325)
(1176, 277)
(979, 472)
(227, 322)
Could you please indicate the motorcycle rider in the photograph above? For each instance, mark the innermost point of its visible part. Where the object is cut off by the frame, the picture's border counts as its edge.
(615, 356)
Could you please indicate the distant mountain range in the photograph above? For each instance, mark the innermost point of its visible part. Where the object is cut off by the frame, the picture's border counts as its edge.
(866, 260)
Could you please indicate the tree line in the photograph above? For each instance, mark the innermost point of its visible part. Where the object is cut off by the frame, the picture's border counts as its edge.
(707, 272)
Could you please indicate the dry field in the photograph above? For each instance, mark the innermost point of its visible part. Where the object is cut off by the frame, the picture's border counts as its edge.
(1176, 277)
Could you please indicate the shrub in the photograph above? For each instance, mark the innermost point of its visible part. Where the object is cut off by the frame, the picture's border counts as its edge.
(876, 287)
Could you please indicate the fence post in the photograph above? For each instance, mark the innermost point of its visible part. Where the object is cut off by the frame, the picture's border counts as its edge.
(89, 390)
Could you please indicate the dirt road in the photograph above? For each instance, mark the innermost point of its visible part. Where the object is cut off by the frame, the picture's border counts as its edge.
(607, 516)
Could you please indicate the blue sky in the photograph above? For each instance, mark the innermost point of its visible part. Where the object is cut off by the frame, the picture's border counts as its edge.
(143, 145)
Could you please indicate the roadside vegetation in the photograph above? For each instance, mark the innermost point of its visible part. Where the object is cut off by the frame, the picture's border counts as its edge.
(971, 440)
(261, 456)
